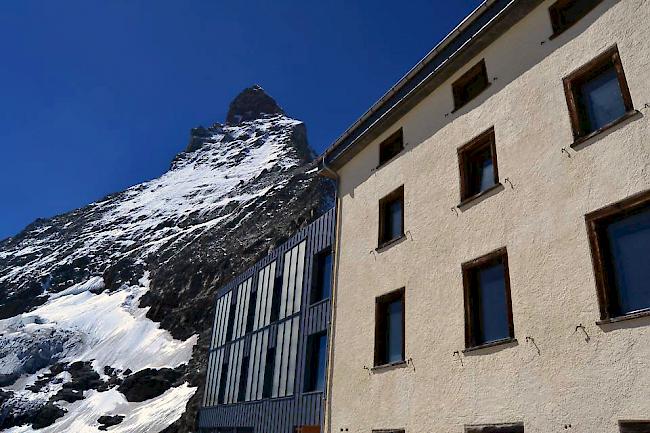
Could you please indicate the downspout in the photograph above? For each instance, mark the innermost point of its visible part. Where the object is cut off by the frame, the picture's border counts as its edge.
(330, 357)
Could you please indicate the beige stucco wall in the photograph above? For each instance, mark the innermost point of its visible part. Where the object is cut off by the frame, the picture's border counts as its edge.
(588, 384)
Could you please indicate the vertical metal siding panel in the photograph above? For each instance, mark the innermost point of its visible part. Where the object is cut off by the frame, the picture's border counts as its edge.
(258, 300)
(269, 294)
(293, 353)
(251, 368)
(262, 373)
(291, 257)
(217, 319)
(299, 276)
(278, 357)
(285, 284)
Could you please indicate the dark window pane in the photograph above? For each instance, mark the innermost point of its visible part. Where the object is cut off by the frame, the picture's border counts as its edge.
(629, 241)
(241, 394)
(268, 373)
(492, 306)
(391, 147)
(394, 220)
(316, 360)
(323, 277)
(601, 100)
(566, 13)
(251, 312)
(231, 323)
(394, 331)
(481, 171)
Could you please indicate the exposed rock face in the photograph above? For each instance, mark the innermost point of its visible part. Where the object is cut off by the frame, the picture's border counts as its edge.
(85, 286)
(150, 383)
(107, 421)
(251, 104)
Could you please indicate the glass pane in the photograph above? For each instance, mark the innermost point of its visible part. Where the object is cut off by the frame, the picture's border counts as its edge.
(603, 100)
(630, 244)
(492, 306)
(324, 276)
(394, 332)
(486, 174)
(322, 357)
(394, 228)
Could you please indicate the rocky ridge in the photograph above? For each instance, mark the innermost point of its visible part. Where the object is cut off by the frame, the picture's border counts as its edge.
(105, 302)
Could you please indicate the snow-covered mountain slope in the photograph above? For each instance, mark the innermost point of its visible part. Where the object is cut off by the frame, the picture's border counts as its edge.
(106, 310)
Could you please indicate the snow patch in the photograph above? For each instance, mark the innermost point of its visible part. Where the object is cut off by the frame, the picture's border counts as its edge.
(145, 417)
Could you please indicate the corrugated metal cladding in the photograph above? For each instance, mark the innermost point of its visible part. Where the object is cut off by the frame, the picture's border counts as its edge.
(258, 350)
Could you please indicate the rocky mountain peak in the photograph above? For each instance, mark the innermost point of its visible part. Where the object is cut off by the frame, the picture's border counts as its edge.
(251, 104)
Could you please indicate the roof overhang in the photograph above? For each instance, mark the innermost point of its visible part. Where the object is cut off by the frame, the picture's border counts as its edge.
(482, 27)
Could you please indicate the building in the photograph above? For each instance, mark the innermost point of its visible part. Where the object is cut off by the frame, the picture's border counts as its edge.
(268, 351)
(492, 268)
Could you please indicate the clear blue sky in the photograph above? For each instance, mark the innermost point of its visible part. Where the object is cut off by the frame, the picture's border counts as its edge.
(98, 95)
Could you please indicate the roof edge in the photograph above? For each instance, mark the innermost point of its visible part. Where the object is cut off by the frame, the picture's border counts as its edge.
(479, 29)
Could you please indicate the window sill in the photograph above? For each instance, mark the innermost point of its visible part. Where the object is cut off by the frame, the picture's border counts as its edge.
(623, 318)
(308, 393)
(581, 140)
(490, 344)
(386, 245)
(317, 303)
(392, 365)
(467, 201)
(475, 96)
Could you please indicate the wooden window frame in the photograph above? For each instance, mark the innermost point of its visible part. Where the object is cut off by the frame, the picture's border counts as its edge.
(596, 222)
(395, 195)
(554, 13)
(487, 138)
(589, 70)
(396, 136)
(468, 268)
(495, 428)
(634, 426)
(457, 87)
(380, 334)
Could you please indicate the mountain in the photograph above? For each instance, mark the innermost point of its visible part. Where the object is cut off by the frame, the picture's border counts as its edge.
(106, 310)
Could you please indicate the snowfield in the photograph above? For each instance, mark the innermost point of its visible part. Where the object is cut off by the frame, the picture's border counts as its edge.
(145, 417)
(109, 329)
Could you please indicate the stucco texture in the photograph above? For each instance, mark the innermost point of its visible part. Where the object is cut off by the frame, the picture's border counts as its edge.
(589, 382)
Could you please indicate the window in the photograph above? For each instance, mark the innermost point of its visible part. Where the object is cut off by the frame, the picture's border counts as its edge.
(391, 147)
(495, 428)
(488, 308)
(231, 323)
(222, 382)
(269, 368)
(597, 95)
(634, 426)
(391, 217)
(322, 285)
(389, 328)
(565, 13)
(470, 85)
(275, 300)
(316, 359)
(250, 319)
(243, 374)
(619, 236)
(478, 165)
